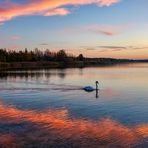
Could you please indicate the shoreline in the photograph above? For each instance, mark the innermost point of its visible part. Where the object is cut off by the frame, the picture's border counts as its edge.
(51, 65)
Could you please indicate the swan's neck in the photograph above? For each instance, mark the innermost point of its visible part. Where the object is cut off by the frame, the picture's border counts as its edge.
(96, 85)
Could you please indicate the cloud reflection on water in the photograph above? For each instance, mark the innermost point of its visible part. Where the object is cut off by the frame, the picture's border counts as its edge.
(54, 128)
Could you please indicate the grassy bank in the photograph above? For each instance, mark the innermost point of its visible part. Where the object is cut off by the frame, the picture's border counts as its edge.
(44, 65)
(38, 65)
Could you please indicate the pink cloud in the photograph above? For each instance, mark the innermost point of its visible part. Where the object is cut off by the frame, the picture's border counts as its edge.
(108, 30)
(108, 33)
(15, 37)
(116, 48)
(10, 10)
(14, 47)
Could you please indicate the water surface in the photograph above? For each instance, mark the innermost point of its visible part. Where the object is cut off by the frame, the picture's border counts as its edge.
(48, 108)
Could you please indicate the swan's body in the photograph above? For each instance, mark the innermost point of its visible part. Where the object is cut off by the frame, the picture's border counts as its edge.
(90, 88)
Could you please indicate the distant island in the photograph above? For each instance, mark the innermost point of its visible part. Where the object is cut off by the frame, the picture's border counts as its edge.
(35, 59)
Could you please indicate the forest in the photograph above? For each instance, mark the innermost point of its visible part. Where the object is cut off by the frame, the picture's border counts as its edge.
(37, 55)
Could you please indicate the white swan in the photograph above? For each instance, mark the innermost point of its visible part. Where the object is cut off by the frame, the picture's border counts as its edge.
(90, 88)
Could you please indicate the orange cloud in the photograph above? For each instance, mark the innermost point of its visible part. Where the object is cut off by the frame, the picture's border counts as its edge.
(107, 2)
(9, 10)
(58, 11)
(54, 125)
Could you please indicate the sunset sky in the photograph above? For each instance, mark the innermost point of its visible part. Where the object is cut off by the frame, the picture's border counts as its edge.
(96, 28)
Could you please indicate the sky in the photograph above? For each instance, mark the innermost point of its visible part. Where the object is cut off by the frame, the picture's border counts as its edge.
(95, 28)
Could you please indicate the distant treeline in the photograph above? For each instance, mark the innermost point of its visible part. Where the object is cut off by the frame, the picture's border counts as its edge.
(37, 55)
(11, 59)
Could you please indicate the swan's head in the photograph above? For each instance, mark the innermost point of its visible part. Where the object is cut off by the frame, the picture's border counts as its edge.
(97, 82)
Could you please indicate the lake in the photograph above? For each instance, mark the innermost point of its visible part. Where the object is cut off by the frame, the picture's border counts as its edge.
(49, 108)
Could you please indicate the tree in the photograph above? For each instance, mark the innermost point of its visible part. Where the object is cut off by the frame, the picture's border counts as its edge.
(61, 56)
(3, 55)
(80, 57)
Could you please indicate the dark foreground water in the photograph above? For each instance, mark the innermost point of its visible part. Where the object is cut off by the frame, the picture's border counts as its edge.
(48, 108)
